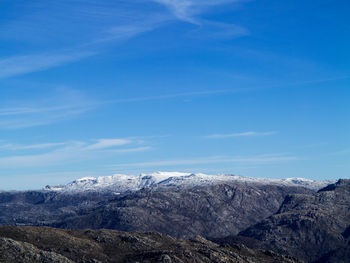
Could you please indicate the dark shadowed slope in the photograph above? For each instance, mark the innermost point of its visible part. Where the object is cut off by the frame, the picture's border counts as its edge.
(312, 227)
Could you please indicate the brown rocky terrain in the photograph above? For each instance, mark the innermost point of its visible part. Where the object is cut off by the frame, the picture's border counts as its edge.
(42, 244)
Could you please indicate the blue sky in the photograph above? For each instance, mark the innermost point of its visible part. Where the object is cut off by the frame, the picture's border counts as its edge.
(93, 88)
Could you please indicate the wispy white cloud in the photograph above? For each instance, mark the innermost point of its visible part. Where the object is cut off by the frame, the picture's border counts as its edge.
(92, 23)
(55, 154)
(340, 152)
(240, 134)
(182, 9)
(191, 10)
(107, 143)
(50, 107)
(67, 104)
(118, 33)
(12, 111)
(132, 150)
(72, 22)
(16, 147)
(80, 27)
(176, 95)
(260, 159)
(18, 65)
(41, 118)
(218, 92)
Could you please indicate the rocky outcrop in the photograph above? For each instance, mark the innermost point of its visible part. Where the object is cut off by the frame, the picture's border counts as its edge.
(15, 251)
(41, 244)
(311, 227)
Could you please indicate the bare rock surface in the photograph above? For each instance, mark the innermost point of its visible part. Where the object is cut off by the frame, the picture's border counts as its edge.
(16, 251)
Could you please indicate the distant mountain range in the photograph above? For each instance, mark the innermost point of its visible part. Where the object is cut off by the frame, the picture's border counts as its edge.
(120, 183)
(299, 218)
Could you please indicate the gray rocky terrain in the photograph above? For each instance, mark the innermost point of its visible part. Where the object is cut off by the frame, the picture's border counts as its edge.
(212, 211)
(270, 219)
(311, 227)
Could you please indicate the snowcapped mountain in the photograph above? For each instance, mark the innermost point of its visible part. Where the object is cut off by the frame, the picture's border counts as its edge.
(120, 183)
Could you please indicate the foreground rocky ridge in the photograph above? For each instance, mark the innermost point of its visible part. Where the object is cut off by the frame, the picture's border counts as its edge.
(311, 227)
(41, 244)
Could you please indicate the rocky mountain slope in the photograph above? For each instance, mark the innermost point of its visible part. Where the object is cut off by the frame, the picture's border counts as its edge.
(30, 244)
(211, 211)
(312, 227)
(173, 203)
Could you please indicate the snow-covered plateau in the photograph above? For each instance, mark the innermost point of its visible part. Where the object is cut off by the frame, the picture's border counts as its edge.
(120, 183)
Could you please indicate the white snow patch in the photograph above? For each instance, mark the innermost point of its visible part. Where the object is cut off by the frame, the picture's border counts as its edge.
(119, 183)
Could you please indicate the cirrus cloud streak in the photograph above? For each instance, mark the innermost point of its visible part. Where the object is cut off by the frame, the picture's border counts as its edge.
(240, 134)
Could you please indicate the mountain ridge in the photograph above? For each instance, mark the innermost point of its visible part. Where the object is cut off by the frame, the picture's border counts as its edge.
(120, 183)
